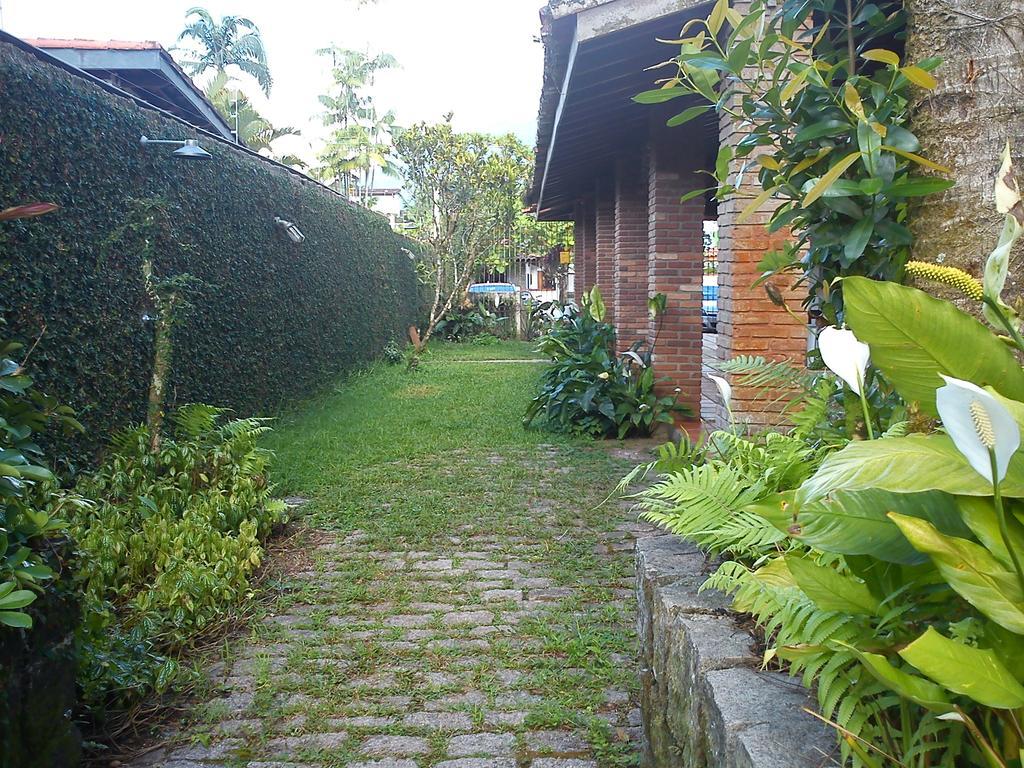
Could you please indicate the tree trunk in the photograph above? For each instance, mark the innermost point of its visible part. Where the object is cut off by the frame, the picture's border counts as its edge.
(966, 121)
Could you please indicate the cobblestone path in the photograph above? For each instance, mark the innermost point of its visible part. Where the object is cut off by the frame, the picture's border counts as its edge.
(504, 645)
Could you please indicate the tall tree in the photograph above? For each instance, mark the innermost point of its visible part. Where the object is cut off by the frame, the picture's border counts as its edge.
(233, 41)
(361, 140)
(466, 190)
(352, 72)
(253, 129)
(965, 122)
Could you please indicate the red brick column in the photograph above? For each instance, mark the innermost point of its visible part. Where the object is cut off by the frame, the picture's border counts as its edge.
(579, 237)
(631, 317)
(584, 250)
(590, 230)
(675, 268)
(604, 257)
(748, 322)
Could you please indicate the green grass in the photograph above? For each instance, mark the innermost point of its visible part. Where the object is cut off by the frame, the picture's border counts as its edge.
(444, 444)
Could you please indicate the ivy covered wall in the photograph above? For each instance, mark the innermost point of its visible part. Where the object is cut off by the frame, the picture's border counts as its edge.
(273, 320)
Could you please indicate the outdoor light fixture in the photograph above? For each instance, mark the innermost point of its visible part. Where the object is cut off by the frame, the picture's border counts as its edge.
(187, 148)
(293, 232)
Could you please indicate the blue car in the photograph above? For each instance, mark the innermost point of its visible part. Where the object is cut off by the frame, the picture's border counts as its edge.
(709, 309)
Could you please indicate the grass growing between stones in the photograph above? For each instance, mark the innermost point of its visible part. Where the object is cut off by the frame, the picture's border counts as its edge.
(462, 601)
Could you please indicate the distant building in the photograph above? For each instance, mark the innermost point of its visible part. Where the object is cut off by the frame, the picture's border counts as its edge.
(527, 272)
(145, 70)
(387, 201)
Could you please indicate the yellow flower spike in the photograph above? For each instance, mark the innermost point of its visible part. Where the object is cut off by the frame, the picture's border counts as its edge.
(952, 276)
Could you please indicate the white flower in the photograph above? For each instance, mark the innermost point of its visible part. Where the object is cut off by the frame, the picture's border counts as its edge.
(643, 407)
(603, 375)
(978, 424)
(845, 356)
(1007, 191)
(724, 389)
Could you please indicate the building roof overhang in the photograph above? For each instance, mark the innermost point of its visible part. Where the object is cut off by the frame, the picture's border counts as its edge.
(147, 70)
(598, 54)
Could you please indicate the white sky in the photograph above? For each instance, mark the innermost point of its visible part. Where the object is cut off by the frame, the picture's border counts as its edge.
(476, 58)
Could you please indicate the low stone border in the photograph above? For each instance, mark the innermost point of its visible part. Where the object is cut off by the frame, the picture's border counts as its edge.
(705, 701)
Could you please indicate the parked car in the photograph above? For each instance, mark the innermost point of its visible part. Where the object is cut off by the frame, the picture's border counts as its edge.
(709, 309)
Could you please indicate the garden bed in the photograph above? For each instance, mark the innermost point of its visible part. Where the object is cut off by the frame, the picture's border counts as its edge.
(706, 703)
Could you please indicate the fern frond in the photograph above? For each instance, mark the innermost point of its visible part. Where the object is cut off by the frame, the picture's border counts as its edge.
(757, 371)
(705, 504)
(196, 419)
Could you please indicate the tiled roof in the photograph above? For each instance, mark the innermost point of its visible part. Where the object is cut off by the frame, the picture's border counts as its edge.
(98, 45)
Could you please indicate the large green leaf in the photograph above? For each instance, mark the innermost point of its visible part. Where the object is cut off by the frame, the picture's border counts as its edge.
(914, 337)
(974, 672)
(906, 465)
(857, 522)
(917, 689)
(980, 516)
(971, 570)
(831, 590)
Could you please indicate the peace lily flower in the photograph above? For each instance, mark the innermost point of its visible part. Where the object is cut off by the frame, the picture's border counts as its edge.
(845, 355)
(980, 426)
(988, 436)
(725, 392)
(724, 388)
(603, 375)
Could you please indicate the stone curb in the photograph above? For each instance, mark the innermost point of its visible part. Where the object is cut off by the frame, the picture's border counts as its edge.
(705, 701)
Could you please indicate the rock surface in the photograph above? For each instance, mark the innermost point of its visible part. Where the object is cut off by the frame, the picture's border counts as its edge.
(704, 699)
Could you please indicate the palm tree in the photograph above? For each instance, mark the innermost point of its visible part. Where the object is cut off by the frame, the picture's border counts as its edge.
(234, 41)
(353, 71)
(252, 129)
(356, 152)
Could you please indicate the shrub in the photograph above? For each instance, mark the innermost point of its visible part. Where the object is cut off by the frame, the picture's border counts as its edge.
(31, 503)
(465, 323)
(168, 549)
(588, 389)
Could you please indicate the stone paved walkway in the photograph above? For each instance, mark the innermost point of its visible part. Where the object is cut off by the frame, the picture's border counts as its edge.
(482, 650)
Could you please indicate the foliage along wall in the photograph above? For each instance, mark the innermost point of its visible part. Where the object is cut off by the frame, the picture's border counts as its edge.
(272, 321)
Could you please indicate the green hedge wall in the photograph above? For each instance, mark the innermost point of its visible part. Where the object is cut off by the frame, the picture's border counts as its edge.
(276, 320)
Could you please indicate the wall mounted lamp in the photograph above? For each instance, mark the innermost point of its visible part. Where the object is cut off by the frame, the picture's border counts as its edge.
(293, 232)
(188, 148)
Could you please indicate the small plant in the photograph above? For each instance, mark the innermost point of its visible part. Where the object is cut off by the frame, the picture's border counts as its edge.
(588, 389)
(393, 354)
(168, 549)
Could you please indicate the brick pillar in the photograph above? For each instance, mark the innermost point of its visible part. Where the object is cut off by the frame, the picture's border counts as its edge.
(583, 252)
(631, 317)
(748, 322)
(675, 267)
(604, 257)
(590, 248)
(579, 237)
